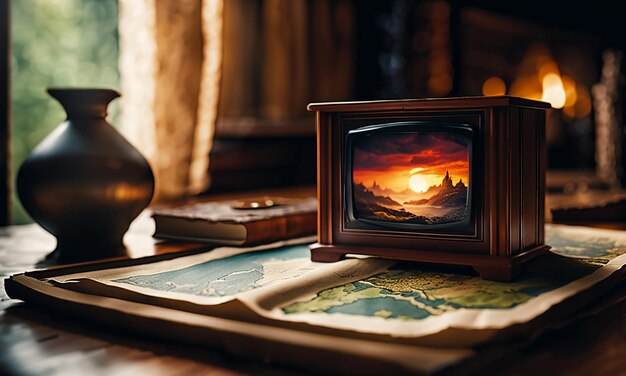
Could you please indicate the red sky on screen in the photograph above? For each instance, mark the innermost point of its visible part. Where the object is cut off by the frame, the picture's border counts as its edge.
(392, 159)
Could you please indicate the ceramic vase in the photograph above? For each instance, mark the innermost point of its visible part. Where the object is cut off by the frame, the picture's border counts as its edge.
(85, 183)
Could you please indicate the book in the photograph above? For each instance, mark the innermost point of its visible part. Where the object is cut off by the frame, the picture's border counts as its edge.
(238, 222)
(401, 316)
(593, 206)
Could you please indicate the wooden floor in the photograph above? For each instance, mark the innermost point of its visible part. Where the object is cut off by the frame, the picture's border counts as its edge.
(35, 342)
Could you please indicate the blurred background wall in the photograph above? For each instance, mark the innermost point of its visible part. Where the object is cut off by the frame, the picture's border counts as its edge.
(279, 55)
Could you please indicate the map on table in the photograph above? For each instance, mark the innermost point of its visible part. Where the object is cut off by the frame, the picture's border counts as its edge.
(404, 300)
(405, 293)
(229, 276)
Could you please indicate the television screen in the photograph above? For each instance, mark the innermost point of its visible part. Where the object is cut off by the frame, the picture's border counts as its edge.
(411, 174)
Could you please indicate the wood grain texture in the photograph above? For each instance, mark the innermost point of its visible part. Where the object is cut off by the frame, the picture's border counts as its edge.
(239, 92)
(285, 85)
(262, 161)
(332, 49)
(39, 342)
(507, 179)
(42, 343)
(591, 343)
(415, 104)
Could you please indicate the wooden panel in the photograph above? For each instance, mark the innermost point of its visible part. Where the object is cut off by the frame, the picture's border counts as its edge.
(332, 49)
(336, 143)
(5, 114)
(265, 128)
(285, 84)
(490, 184)
(244, 154)
(244, 163)
(506, 172)
(426, 104)
(530, 163)
(324, 180)
(501, 178)
(239, 91)
(281, 54)
(515, 207)
(543, 167)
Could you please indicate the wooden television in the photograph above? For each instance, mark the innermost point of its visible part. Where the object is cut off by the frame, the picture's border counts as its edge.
(451, 180)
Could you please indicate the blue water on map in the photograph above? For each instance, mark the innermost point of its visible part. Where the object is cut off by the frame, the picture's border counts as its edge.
(576, 247)
(369, 307)
(223, 277)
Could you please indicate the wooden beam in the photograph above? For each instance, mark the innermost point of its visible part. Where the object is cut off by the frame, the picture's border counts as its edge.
(5, 113)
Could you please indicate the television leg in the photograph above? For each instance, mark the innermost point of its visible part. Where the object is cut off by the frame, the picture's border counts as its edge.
(502, 274)
(325, 256)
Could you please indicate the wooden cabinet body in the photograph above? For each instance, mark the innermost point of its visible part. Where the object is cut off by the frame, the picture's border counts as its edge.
(505, 220)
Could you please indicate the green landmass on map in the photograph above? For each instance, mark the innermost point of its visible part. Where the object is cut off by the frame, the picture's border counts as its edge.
(410, 292)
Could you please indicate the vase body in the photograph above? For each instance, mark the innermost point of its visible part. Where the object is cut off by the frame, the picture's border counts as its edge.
(85, 183)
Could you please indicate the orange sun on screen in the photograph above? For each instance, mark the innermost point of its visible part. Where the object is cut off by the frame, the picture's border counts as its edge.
(418, 184)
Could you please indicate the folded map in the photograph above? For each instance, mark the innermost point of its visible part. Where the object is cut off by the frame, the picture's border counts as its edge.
(371, 298)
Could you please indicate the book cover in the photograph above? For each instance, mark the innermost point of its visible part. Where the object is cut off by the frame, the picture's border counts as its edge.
(238, 223)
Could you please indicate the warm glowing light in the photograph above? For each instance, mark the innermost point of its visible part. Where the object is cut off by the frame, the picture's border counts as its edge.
(416, 170)
(527, 86)
(418, 184)
(570, 91)
(583, 102)
(547, 66)
(569, 111)
(494, 86)
(440, 85)
(553, 91)
(539, 78)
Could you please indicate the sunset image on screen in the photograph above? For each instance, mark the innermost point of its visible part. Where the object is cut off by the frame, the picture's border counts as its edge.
(419, 178)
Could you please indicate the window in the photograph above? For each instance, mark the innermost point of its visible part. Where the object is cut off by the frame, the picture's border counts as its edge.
(56, 43)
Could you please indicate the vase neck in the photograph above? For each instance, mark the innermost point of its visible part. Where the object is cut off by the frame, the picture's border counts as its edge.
(84, 102)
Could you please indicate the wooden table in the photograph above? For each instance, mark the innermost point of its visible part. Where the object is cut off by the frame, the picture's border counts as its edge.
(35, 342)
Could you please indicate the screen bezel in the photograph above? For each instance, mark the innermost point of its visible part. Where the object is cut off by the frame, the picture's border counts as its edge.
(351, 221)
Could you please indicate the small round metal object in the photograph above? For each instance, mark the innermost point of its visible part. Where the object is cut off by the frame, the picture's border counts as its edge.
(260, 203)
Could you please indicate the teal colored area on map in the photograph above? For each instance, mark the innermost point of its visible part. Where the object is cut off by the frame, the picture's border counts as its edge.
(410, 291)
(372, 307)
(217, 278)
(593, 247)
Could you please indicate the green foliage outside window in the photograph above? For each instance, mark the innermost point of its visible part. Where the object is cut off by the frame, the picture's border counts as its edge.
(62, 43)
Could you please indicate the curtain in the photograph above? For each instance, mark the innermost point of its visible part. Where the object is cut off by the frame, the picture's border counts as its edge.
(170, 66)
